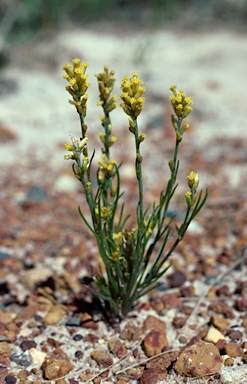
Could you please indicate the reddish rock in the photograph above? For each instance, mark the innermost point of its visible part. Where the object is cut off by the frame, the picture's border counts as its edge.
(152, 323)
(222, 308)
(114, 344)
(56, 366)
(131, 332)
(220, 323)
(157, 304)
(198, 360)
(187, 291)
(154, 343)
(229, 362)
(176, 279)
(164, 361)
(241, 304)
(26, 313)
(179, 321)
(88, 322)
(91, 338)
(171, 301)
(233, 350)
(234, 335)
(102, 358)
(153, 376)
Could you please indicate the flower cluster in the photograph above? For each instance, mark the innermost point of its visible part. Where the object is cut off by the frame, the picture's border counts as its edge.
(77, 78)
(106, 82)
(180, 102)
(133, 101)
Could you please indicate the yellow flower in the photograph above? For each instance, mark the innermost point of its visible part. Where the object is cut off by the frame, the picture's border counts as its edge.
(193, 180)
(180, 102)
(133, 101)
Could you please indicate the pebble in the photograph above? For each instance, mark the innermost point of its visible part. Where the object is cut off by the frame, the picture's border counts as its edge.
(154, 343)
(220, 322)
(198, 359)
(102, 358)
(56, 366)
(233, 349)
(7, 317)
(26, 313)
(33, 277)
(213, 335)
(176, 279)
(154, 323)
(54, 315)
(5, 349)
(27, 344)
(24, 359)
(38, 357)
(222, 308)
(153, 376)
(73, 321)
(36, 194)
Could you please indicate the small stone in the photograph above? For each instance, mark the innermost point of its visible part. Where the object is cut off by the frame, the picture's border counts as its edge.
(5, 349)
(88, 322)
(103, 358)
(77, 337)
(171, 301)
(56, 366)
(38, 357)
(26, 313)
(27, 344)
(233, 350)
(33, 277)
(131, 332)
(91, 338)
(7, 317)
(73, 321)
(213, 335)
(153, 323)
(234, 335)
(220, 344)
(179, 321)
(229, 362)
(23, 375)
(241, 304)
(79, 354)
(114, 344)
(163, 362)
(153, 376)
(220, 322)
(198, 360)
(222, 308)
(244, 323)
(176, 279)
(187, 291)
(54, 315)
(154, 343)
(9, 379)
(23, 359)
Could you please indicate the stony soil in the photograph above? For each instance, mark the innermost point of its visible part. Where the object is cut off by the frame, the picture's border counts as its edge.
(193, 329)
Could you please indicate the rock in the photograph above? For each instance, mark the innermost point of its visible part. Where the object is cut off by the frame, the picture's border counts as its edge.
(152, 323)
(176, 279)
(23, 359)
(220, 323)
(7, 317)
(179, 321)
(5, 349)
(88, 322)
(27, 344)
(54, 315)
(103, 358)
(163, 362)
(234, 375)
(233, 350)
(241, 304)
(153, 376)
(131, 332)
(213, 335)
(38, 357)
(56, 366)
(234, 334)
(222, 308)
(171, 301)
(199, 359)
(154, 343)
(33, 277)
(26, 313)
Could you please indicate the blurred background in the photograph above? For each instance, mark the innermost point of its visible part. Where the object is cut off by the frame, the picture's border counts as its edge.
(200, 46)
